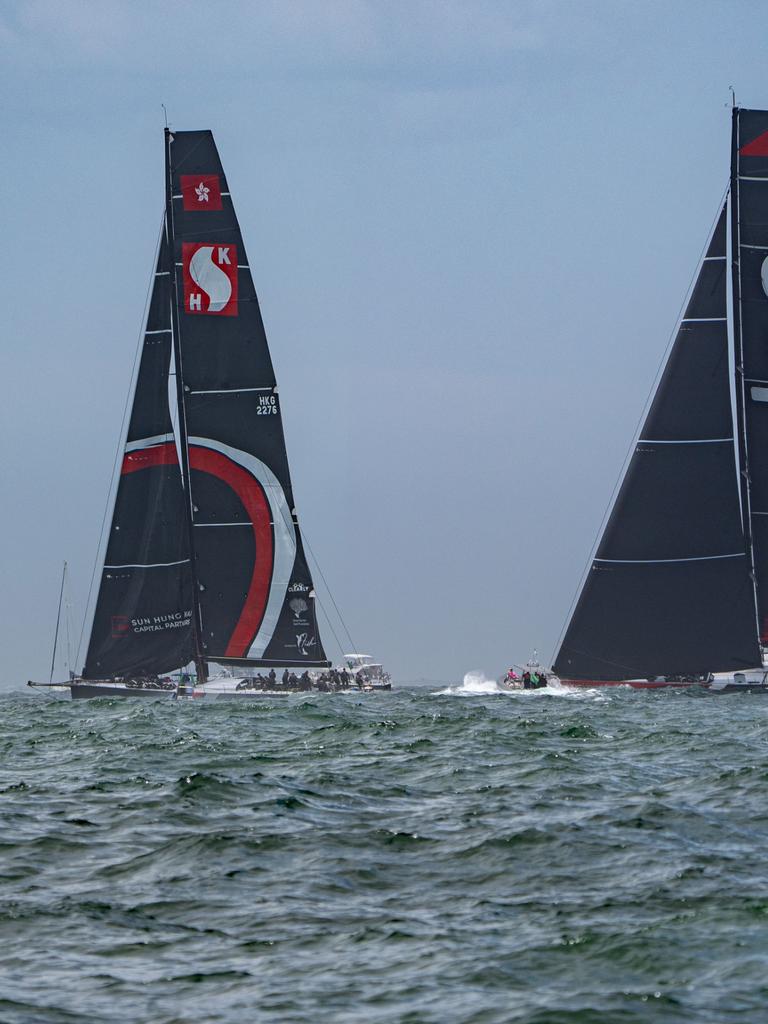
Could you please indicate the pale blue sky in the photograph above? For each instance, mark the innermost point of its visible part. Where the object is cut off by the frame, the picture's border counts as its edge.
(471, 226)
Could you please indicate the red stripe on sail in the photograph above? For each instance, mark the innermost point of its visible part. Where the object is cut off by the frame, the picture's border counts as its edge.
(252, 496)
(757, 147)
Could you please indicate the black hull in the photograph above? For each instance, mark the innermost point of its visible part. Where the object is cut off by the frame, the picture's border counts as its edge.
(85, 691)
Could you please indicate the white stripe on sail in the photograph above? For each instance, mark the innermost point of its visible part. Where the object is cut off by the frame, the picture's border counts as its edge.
(147, 442)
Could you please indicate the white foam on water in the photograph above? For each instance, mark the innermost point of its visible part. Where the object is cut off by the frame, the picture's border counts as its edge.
(476, 683)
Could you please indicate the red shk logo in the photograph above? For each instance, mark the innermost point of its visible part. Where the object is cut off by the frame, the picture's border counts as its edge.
(121, 626)
(757, 147)
(201, 192)
(210, 278)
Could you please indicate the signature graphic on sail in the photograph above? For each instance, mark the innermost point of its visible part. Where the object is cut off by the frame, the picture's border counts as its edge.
(304, 643)
(210, 278)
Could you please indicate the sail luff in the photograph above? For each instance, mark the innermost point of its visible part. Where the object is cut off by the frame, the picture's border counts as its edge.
(200, 663)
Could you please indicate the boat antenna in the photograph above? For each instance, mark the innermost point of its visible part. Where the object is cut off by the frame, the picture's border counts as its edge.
(165, 114)
(733, 96)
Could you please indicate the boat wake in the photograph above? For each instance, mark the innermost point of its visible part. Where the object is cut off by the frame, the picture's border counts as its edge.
(475, 683)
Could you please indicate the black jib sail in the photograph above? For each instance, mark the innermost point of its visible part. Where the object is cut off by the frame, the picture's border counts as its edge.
(205, 559)
(143, 617)
(671, 590)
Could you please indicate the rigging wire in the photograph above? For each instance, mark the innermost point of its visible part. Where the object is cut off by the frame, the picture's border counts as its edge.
(330, 592)
(121, 435)
(330, 625)
(58, 619)
(638, 426)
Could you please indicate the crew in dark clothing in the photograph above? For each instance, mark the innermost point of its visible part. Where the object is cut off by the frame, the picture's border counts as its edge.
(272, 677)
(286, 677)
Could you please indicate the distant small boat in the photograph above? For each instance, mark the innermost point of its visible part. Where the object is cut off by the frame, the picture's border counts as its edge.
(678, 587)
(368, 674)
(204, 561)
(531, 676)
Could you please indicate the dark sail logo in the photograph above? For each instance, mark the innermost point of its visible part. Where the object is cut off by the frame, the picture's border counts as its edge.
(121, 626)
(200, 192)
(210, 278)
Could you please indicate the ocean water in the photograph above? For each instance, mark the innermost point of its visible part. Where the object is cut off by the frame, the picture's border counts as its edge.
(466, 856)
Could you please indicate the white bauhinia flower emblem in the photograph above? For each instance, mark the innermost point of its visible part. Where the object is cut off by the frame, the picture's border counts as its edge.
(202, 192)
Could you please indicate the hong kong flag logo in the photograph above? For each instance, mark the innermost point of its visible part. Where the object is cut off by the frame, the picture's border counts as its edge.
(201, 192)
(210, 278)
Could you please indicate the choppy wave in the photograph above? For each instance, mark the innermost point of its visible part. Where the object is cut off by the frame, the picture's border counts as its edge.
(396, 857)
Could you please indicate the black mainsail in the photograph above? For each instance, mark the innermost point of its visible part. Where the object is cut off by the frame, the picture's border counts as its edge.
(205, 560)
(680, 576)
